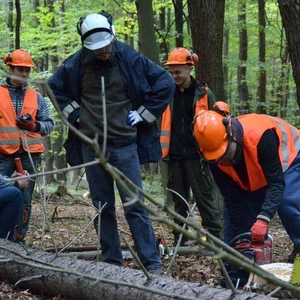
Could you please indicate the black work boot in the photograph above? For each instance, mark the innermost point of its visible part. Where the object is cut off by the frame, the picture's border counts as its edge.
(292, 256)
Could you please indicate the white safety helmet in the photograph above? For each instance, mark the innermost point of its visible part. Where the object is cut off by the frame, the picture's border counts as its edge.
(96, 31)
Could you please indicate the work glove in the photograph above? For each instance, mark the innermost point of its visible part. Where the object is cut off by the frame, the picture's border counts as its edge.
(259, 230)
(133, 118)
(25, 122)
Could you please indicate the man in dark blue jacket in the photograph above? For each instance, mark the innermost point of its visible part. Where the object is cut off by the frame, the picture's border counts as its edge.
(137, 91)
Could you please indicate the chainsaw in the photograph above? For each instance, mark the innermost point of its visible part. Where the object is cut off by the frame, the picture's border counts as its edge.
(260, 252)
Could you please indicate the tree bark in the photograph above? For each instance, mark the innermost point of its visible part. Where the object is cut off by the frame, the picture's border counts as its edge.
(262, 76)
(289, 11)
(147, 39)
(243, 57)
(178, 10)
(78, 279)
(207, 22)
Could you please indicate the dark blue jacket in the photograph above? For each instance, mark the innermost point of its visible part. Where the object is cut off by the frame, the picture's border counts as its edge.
(147, 84)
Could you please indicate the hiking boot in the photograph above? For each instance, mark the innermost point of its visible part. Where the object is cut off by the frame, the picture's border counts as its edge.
(293, 255)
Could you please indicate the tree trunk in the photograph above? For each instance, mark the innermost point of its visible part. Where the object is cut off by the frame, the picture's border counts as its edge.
(178, 10)
(227, 83)
(10, 25)
(262, 77)
(79, 279)
(147, 39)
(207, 21)
(59, 159)
(48, 159)
(289, 11)
(18, 24)
(243, 57)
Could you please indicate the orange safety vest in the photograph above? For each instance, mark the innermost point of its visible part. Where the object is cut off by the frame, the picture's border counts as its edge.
(10, 135)
(254, 126)
(165, 133)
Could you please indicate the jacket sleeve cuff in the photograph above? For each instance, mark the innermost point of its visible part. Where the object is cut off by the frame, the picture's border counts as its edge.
(38, 127)
(263, 218)
(145, 114)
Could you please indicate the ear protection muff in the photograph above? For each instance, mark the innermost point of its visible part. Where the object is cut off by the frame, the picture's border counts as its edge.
(228, 125)
(8, 58)
(79, 23)
(192, 57)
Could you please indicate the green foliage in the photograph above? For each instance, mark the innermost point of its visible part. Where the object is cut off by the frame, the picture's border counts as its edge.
(48, 32)
(274, 66)
(152, 186)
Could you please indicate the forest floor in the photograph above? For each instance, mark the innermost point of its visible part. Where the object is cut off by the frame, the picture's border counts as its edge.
(68, 215)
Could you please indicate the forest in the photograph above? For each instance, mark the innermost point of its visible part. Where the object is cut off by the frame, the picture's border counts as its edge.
(250, 58)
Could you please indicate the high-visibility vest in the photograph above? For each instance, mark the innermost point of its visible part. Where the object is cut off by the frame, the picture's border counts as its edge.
(165, 134)
(10, 135)
(254, 126)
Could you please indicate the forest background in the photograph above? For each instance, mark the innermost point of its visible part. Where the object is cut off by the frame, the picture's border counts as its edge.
(247, 49)
(249, 52)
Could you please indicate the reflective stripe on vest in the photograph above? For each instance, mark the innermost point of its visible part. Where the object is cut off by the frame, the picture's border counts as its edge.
(254, 126)
(165, 133)
(10, 134)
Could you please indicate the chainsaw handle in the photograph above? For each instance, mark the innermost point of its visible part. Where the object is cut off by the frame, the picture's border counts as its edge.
(246, 236)
(19, 165)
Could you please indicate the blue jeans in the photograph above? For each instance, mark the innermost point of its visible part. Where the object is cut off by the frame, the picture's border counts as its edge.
(289, 208)
(7, 167)
(101, 186)
(10, 203)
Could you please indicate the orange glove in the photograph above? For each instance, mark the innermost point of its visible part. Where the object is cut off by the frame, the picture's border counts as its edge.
(259, 230)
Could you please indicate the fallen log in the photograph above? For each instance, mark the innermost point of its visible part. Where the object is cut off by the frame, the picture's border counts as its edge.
(79, 279)
(187, 250)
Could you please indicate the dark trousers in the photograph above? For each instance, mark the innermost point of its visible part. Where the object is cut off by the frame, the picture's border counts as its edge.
(10, 202)
(194, 175)
(8, 167)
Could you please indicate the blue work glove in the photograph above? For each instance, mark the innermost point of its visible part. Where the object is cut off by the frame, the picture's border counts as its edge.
(133, 118)
(25, 122)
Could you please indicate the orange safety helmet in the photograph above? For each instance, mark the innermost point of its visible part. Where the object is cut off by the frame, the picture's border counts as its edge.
(210, 132)
(19, 57)
(182, 56)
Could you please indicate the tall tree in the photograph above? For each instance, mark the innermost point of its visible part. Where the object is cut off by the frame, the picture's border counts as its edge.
(18, 24)
(178, 9)
(225, 67)
(243, 57)
(10, 24)
(147, 39)
(290, 14)
(262, 78)
(207, 21)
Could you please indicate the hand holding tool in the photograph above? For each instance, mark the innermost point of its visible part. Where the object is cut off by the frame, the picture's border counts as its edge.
(259, 230)
(25, 122)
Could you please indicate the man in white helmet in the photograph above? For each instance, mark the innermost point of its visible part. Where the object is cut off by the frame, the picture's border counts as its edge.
(137, 91)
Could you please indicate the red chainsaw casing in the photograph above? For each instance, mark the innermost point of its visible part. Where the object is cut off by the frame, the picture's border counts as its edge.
(258, 251)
